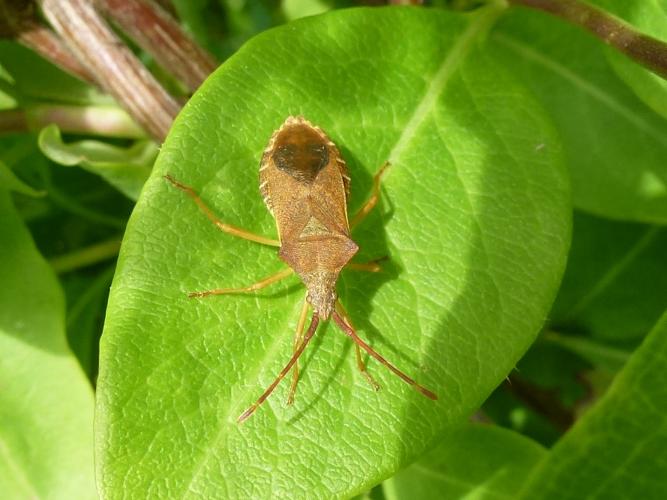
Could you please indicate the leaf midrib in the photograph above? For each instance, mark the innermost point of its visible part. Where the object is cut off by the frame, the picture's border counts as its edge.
(476, 27)
(17, 470)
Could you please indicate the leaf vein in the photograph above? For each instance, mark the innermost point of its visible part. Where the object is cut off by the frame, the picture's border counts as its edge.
(438, 83)
(588, 88)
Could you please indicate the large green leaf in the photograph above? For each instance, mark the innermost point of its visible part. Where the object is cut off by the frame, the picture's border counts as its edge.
(474, 461)
(475, 223)
(615, 145)
(46, 403)
(650, 18)
(617, 450)
(614, 286)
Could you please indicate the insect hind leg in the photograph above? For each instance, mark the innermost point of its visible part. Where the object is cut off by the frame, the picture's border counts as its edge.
(226, 228)
(360, 362)
(372, 266)
(298, 339)
(350, 332)
(373, 199)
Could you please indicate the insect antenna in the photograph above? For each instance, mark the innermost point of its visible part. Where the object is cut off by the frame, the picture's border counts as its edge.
(349, 331)
(315, 320)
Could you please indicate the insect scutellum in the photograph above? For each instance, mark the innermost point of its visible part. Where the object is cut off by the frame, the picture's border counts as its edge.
(305, 184)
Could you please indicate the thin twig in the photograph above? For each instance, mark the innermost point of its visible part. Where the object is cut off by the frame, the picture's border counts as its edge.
(117, 69)
(84, 257)
(168, 6)
(13, 120)
(543, 401)
(107, 121)
(18, 20)
(159, 34)
(644, 49)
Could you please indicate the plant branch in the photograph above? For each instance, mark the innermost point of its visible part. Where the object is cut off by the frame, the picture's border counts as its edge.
(116, 68)
(105, 121)
(644, 49)
(18, 20)
(159, 34)
(13, 120)
(84, 257)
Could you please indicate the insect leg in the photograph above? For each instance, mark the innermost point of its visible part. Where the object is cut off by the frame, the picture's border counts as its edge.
(245, 289)
(227, 228)
(298, 338)
(372, 266)
(372, 201)
(360, 363)
(309, 335)
(349, 331)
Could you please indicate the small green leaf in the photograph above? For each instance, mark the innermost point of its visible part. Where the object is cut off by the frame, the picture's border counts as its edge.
(617, 450)
(9, 182)
(615, 145)
(46, 403)
(615, 285)
(649, 18)
(473, 461)
(124, 168)
(295, 9)
(8, 99)
(475, 224)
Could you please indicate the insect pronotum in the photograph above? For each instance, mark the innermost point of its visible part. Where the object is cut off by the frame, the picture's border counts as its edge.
(305, 185)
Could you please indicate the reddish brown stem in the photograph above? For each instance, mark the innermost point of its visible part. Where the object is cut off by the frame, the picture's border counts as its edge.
(115, 67)
(13, 120)
(542, 401)
(159, 34)
(644, 49)
(18, 20)
(47, 44)
(168, 7)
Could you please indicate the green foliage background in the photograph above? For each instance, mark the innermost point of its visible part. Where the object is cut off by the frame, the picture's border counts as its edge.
(523, 220)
